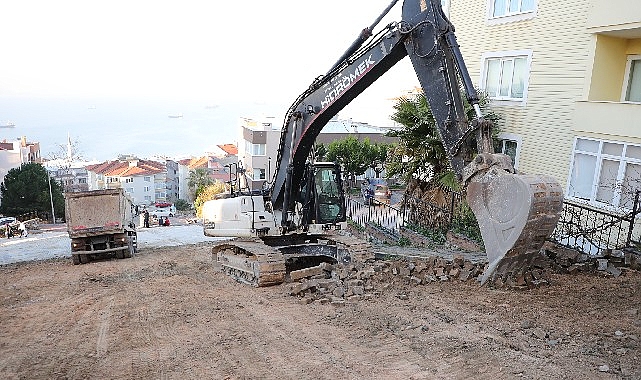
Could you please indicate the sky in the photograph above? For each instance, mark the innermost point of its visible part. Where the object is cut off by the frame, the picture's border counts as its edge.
(109, 73)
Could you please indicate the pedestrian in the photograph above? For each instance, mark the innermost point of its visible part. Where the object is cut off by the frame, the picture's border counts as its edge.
(146, 218)
(23, 230)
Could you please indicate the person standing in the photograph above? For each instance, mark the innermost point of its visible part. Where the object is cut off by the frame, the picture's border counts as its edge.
(146, 213)
(23, 230)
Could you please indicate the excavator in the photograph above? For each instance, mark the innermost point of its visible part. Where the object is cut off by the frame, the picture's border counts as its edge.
(300, 220)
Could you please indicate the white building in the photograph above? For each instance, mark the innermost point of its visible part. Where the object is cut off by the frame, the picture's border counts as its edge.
(144, 180)
(17, 152)
(258, 149)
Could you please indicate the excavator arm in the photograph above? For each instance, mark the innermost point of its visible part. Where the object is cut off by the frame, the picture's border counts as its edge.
(516, 213)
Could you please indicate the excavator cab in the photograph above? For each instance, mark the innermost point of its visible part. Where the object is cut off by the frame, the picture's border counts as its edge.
(322, 194)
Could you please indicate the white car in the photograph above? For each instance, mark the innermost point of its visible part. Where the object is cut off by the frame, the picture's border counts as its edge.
(7, 220)
(164, 212)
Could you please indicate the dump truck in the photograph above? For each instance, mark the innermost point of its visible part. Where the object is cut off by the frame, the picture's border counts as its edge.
(100, 223)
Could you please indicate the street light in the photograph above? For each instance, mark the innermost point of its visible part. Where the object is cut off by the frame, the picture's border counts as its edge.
(53, 213)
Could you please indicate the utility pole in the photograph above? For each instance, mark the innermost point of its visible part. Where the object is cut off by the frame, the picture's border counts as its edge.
(53, 213)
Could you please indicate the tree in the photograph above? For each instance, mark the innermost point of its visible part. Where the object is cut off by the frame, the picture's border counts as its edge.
(355, 156)
(198, 179)
(26, 189)
(420, 155)
(206, 194)
(320, 151)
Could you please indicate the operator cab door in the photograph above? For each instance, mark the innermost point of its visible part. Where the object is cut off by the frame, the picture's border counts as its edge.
(329, 205)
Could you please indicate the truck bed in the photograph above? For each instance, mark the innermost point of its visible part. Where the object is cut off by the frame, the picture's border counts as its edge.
(97, 212)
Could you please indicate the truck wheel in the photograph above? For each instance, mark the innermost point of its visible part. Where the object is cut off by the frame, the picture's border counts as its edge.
(130, 249)
(84, 259)
(75, 259)
(121, 254)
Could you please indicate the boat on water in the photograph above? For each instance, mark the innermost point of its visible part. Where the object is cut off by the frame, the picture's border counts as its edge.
(7, 125)
(176, 116)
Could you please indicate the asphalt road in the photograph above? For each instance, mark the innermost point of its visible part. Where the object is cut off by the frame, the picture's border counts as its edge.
(52, 241)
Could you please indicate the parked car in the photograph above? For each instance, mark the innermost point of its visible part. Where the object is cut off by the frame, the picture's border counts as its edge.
(376, 191)
(7, 220)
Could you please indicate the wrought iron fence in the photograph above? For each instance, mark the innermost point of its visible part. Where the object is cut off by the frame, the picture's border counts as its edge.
(593, 231)
(389, 217)
(430, 215)
(411, 211)
(580, 227)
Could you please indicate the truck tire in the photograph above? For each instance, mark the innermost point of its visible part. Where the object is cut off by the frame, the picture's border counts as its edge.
(122, 253)
(84, 259)
(130, 248)
(75, 259)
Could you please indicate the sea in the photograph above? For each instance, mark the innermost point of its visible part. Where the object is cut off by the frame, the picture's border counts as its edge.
(102, 129)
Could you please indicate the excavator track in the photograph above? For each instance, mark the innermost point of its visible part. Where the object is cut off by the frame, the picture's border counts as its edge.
(251, 262)
(516, 214)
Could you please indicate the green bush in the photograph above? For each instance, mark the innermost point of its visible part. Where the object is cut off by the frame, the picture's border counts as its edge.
(437, 236)
(182, 205)
(465, 223)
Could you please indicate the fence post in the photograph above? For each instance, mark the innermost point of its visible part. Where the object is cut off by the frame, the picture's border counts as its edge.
(635, 211)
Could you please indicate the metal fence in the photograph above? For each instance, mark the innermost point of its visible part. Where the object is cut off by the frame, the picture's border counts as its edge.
(411, 211)
(580, 226)
(382, 215)
(593, 231)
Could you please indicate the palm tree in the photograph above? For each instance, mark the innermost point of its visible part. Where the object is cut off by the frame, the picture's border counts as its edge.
(420, 155)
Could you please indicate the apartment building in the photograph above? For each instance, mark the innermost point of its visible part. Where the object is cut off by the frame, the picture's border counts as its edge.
(72, 176)
(566, 78)
(145, 181)
(258, 144)
(259, 141)
(14, 153)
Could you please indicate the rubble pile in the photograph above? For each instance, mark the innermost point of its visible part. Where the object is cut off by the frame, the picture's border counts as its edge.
(336, 284)
(608, 263)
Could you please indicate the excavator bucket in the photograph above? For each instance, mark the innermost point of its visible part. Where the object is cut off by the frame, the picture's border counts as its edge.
(516, 214)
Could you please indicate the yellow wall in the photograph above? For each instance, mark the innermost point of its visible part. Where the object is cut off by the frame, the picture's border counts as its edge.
(561, 51)
(634, 47)
(607, 71)
(613, 14)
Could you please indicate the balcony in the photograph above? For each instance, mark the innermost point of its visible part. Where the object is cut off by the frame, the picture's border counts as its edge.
(616, 18)
(610, 118)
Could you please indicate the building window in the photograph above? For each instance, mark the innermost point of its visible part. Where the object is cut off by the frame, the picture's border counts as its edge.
(82, 181)
(254, 149)
(605, 172)
(148, 197)
(146, 179)
(146, 189)
(259, 174)
(130, 190)
(502, 8)
(505, 77)
(632, 85)
(510, 145)
(129, 180)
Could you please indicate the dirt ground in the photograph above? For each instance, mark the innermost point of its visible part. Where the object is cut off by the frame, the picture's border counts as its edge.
(168, 313)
